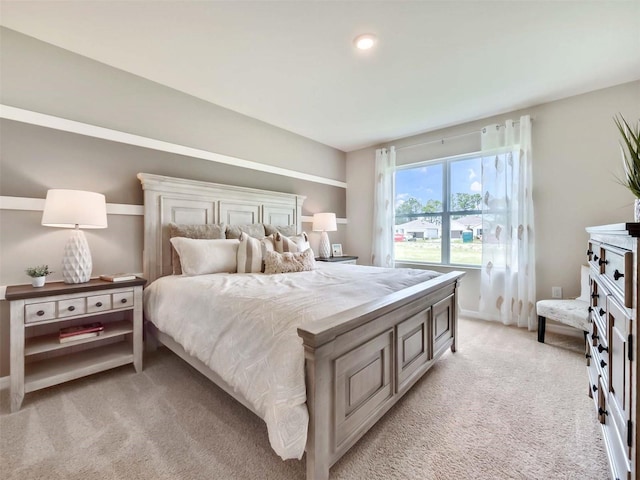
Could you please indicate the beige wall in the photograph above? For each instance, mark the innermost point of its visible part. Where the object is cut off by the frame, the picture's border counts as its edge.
(42, 78)
(575, 160)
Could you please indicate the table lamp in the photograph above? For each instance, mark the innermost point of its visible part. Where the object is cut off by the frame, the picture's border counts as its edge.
(324, 222)
(75, 209)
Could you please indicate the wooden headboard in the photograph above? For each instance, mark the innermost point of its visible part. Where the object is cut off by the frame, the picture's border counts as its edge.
(177, 200)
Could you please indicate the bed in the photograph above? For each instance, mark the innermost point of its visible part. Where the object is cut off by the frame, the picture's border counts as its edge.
(354, 352)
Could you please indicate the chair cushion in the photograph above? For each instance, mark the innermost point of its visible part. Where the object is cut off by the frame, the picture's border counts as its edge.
(574, 313)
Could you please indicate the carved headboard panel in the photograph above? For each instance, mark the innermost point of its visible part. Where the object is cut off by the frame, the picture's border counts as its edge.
(177, 200)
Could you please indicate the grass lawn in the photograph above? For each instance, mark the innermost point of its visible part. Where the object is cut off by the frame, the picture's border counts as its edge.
(429, 251)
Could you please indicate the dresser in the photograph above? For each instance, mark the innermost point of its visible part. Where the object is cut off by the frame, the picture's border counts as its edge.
(39, 359)
(612, 341)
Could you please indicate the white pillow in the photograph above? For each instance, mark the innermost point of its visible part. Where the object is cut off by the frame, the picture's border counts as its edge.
(199, 257)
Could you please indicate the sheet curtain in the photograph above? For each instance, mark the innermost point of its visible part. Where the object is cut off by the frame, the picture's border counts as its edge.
(508, 284)
(383, 212)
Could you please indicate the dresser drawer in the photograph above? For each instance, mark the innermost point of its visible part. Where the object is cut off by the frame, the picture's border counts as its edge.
(39, 312)
(594, 379)
(98, 303)
(618, 264)
(123, 300)
(72, 306)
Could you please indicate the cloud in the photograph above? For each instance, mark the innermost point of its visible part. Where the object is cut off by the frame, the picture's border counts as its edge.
(472, 174)
(476, 187)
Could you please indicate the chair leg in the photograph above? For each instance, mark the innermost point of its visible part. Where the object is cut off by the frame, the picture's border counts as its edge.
(541, 325)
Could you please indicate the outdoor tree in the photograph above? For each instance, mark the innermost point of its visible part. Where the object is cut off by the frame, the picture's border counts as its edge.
(466, 202)
(432, 206)
(410, 206)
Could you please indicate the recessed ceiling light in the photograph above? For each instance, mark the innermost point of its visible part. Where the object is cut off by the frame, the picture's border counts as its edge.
(365, 42)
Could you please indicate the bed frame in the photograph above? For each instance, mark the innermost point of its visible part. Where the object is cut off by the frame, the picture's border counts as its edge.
(359, 362)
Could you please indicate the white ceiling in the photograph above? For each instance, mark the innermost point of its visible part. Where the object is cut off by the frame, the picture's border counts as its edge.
(292, 63)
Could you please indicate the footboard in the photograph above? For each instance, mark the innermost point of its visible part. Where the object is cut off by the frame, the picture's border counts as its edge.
(360, 362)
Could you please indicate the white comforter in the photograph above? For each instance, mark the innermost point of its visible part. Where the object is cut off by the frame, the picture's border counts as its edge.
(243, 326)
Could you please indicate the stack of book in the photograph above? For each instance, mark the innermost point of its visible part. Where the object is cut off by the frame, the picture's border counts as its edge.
(78, 332)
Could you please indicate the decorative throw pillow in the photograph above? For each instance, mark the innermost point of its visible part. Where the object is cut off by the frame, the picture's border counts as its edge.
(209, 231)
(256, 230)
(249, 257)
(288, 230)
(298, 243)
(199, 257)
(289, 262)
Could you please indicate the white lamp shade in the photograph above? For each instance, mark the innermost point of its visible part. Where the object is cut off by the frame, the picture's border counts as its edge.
(324, 222)
(71, 208)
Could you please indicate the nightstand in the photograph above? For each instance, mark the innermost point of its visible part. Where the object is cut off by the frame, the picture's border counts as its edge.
(39, 360)
(343, 259)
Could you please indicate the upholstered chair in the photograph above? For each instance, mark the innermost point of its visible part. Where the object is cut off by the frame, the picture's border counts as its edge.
(574, 313)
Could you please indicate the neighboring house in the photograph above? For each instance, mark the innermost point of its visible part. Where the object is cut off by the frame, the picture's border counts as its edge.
(419, 229)
(469, 222)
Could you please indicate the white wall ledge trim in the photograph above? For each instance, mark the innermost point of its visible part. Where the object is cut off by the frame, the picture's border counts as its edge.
(37, 205)
(49, 121)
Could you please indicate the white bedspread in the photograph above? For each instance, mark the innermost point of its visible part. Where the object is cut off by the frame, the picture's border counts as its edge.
(243, 326)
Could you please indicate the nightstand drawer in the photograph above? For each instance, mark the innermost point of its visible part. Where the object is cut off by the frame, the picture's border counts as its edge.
(123, 300)
(73, 306)
(98, 303)
(39, 312)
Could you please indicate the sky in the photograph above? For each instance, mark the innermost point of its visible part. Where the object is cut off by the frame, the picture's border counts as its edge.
(425, 183)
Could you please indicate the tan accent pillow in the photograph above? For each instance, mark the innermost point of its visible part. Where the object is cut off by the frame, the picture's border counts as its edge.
(287, 262)
(288, 230)
(298, 243)
(250, 253)
(208, 231)
(255, 230)
(200, 257)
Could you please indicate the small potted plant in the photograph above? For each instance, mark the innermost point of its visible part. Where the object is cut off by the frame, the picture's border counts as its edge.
(630, 149)
(38, 274)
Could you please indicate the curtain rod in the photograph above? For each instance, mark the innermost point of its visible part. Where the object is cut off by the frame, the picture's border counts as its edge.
(442, 140)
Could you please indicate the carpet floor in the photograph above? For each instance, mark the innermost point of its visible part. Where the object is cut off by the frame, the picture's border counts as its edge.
(503, 407)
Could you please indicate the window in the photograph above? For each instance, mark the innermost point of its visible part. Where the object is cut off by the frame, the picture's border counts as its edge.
(438, 212)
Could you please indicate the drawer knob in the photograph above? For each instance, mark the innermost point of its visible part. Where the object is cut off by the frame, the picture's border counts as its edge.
(99, 304)
(594, 295)
(71, 308)
(40, 313)
(594, 388)
(589, 252)
(594, 336)
(603, 363)
(602, 349)
(601, 312)
(617, 275)
(595, 258)
(602, 411)
(603, 262)
(590, 309)
(124, 300)
(587, 355)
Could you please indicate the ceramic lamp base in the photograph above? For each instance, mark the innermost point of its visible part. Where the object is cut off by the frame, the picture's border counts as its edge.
(76, 264)
(325, 246)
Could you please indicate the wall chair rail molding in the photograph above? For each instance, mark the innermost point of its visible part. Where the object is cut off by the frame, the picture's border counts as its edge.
(37, 205)
(49, 121)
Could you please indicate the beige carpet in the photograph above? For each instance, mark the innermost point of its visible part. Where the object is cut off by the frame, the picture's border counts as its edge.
(502, 407)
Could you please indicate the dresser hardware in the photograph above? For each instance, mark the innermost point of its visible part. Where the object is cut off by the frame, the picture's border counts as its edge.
(594, 388)
(71, 308)
(589, 252)
(594, 336)
(99, 304)
(590, 309)
(602, 349)
(594, 295)
(40, 313)
(124, 300)
(601, 312)
(603, 262)
(601, 411)
(617, 275)
(595, 258)
(603, 363)
(587, 355)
